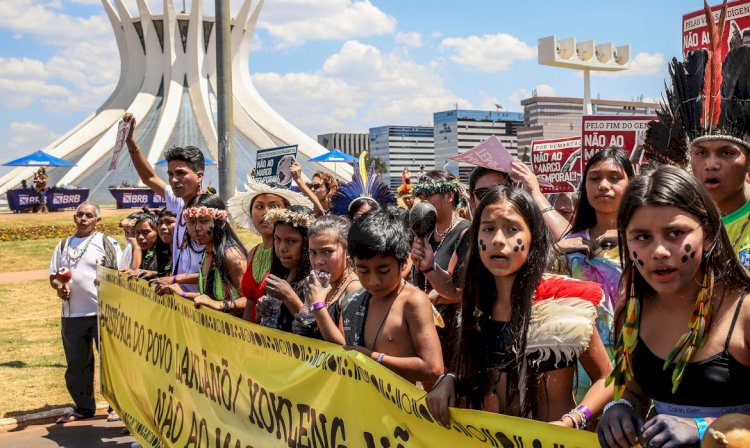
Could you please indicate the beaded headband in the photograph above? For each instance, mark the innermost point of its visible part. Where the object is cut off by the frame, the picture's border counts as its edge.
(205, 212)
(286, 216)
(127, 222)
(439, 187)
(729, 138)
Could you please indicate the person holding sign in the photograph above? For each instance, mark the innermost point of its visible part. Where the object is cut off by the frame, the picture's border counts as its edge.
(224, 260)
(521, 332)
(320, 192)
(185, 170)
(683, 323)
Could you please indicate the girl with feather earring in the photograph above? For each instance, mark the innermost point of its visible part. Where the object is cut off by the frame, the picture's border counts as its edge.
(364, 193)
(682, 324)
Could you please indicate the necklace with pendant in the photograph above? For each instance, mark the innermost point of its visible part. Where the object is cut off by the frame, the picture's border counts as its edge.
(73, 255)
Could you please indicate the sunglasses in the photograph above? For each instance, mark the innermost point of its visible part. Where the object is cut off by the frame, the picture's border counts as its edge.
(481, 193)
(315, 186)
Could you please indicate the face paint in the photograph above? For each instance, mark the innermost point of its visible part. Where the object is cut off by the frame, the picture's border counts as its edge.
(210, 231)
(519, 245)
(482, 245)
(637, 260)
(689, 251)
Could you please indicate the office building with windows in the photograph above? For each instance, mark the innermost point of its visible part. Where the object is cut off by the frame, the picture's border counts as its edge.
(457, 131)
(349, 143)
(402, 146)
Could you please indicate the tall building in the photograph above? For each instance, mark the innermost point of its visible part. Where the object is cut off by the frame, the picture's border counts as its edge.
(457, 131)
(168, 81)
(402, 146)
(349, 143)
(556, 117)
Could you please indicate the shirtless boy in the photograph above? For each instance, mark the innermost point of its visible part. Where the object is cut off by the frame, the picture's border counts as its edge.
(389, 320)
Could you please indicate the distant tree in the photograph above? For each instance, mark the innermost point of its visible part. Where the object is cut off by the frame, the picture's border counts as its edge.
(380, 166)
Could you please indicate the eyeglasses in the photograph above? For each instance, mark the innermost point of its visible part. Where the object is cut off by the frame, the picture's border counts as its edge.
(481, 192)
(315, 186)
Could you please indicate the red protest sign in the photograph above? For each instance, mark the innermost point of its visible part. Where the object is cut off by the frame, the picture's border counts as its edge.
(614, 131)
(695, 30)
(557, 162)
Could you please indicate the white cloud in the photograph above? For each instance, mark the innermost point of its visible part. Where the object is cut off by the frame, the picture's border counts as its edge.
(643, 64)
(523, 93)
(356, 88)
(17, 94)
(293, 22)
(22, 68)
(411, 39)
(27, 137)
(488, 53)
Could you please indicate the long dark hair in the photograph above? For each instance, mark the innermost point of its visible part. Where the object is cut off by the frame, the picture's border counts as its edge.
(669, 186)
(303, 268)
(223, 237)
(469, 361)
(585, 215)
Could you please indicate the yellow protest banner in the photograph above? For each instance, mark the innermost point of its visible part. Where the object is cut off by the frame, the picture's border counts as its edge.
(187, 377)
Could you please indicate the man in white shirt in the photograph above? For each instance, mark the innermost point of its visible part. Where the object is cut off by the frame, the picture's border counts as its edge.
(80, 254)
(185, 170)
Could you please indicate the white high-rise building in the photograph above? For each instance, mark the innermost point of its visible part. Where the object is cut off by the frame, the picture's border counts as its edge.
(400, 147)
(167, 80)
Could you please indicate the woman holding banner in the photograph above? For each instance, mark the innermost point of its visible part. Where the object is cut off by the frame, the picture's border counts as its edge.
(248, 210)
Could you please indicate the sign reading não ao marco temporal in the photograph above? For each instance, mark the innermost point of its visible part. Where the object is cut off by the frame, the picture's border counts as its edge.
(187, 377)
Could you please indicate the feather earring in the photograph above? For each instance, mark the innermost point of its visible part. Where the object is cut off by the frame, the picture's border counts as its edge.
(627, 340)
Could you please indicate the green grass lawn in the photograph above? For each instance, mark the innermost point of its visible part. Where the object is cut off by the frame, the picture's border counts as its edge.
(32, 362)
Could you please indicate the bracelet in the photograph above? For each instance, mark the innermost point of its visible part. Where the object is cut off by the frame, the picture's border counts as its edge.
(621, 401)
(428, 270)
(317, 305)
(174, 279)
(227, 305)
(441, 377)
(702, 425)
(183, 294)
(585, 411)
(547, 210)
(380, 357)
(575, 422)
(584, 420)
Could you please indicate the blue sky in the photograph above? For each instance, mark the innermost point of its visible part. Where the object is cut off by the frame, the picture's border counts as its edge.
(339, 65)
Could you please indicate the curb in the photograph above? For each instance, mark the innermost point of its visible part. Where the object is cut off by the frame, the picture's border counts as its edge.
(43, 417)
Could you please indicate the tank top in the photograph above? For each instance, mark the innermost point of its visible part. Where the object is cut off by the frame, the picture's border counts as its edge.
(251, 289)
(717, 381)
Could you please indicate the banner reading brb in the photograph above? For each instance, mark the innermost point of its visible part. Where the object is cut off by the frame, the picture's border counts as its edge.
(556, 161)
(187, 377)
(626, 132)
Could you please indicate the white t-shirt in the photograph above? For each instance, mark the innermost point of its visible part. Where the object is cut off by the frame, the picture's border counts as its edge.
(186, 260)
(83, 293)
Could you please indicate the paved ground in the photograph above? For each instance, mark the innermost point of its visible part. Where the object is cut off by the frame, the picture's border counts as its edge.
(23, 276)
(93, 433)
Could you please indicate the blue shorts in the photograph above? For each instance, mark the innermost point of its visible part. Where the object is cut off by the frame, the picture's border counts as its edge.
(42, 195)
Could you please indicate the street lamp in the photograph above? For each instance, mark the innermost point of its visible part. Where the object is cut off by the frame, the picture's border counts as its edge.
(584, 56)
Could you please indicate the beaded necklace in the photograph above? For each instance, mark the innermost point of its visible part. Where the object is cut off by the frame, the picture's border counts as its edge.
(742, 231)
(74, 255)
(218, 285)
(261, 262)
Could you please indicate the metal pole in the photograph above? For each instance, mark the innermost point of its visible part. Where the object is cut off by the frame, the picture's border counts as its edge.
(225, 126)
(587, 92)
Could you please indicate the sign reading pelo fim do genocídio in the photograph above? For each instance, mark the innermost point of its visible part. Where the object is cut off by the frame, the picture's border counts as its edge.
(274, 164)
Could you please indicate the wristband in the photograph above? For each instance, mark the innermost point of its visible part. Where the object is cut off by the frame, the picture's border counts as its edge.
(442, 377)
(317, 306)
(547, 210)
(227, 304)
(183, 294)
(702, 425)
(585, 411)
(174, 279)
(380, 357)
(428, 270)
(621, 401)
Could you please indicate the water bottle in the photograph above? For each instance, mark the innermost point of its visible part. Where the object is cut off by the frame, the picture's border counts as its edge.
(274, 305)
(305, 316)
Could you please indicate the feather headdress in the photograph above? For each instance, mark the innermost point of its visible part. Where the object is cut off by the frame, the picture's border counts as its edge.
(707, 100)
(365, 183)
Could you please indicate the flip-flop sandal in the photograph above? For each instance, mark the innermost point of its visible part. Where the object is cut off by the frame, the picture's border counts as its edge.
(113, 417)
(71, 417)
